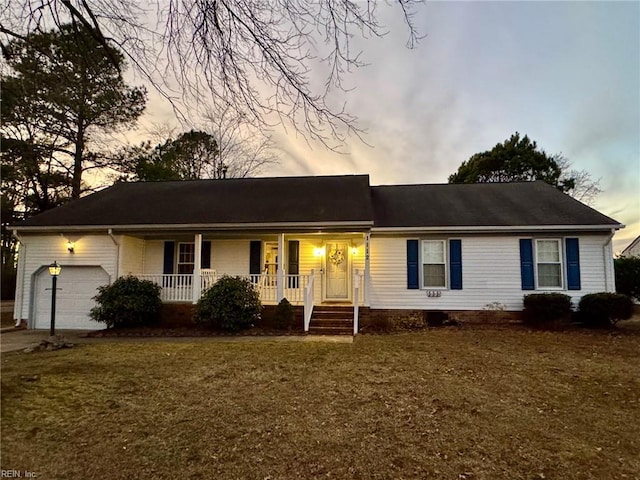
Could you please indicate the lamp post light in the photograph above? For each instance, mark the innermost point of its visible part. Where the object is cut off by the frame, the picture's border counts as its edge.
(54, 271)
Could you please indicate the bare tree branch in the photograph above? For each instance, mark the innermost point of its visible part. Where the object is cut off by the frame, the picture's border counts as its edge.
(244, 151)
(585, 188)
(254, 56)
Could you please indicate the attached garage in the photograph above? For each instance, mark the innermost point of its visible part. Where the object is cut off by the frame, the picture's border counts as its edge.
(76, 288)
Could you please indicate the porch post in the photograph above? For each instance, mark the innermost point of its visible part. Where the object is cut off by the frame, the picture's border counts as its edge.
(280, 279)
(367, 269)
(197, 265)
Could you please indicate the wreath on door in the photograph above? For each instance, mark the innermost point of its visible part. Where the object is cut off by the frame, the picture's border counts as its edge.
(336, 257)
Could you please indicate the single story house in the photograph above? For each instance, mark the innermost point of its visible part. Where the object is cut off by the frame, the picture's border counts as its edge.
(471, 250)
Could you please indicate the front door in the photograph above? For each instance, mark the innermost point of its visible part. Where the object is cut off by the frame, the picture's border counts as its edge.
(337, 272)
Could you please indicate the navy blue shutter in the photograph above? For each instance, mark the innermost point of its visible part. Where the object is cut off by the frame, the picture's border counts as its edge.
(573, 263)
(205, 261)
(455, 264)
(413, 277)
(255, 257)
(169, 254)
(526, 264)
(293, 262)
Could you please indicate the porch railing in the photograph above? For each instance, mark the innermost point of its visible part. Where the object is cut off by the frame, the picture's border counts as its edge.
(358, 298)
(207, 278)
(179, 287)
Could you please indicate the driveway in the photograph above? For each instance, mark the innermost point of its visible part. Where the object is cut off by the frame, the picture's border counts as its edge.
(14, 340)
(18, 340)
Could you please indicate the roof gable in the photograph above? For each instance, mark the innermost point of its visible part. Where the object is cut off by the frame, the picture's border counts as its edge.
(635, 245)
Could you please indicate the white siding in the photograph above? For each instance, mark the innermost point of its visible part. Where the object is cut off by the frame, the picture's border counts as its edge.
(490, 273)
(230, 256)
(18, 313)
(153, 257)
(310, 261)
(41, 251)
(227, 256)
(131, 256)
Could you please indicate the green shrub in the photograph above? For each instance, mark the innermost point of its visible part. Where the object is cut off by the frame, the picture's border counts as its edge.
(628, 276)
(545, 309)
(232, 303)
(127, 302)
(603, 310)
(284, 317)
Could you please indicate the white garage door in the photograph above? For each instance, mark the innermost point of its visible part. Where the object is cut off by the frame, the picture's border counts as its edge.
(76, 288)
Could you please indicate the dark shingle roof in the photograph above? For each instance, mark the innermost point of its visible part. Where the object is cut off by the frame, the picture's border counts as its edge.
(232, 201)
(346, 199)
(480, 204)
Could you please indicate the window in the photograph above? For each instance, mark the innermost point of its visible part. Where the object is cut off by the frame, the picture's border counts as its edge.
(186, 257)
(434, 265)
(549, 263)
(271, 258)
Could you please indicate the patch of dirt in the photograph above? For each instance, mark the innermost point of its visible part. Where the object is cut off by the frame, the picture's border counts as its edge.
(188, 332)
(6, 320)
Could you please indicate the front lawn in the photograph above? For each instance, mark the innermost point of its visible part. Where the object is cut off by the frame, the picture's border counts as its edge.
(468, 403)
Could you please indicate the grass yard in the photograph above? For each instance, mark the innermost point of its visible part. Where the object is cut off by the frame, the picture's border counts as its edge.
(467, 403)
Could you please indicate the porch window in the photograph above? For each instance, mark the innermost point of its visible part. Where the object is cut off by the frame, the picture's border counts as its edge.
(271, 258)
(434, 265)
(186, 257)
(549, 263)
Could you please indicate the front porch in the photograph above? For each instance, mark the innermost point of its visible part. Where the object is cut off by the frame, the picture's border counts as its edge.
(306, 269)
(299, 290)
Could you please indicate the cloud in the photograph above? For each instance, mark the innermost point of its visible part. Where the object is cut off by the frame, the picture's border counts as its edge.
(565, 73)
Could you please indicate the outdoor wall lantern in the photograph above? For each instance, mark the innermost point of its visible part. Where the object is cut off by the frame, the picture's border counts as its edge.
(354, 250)
(54, 271)
(70, 246)
(318, 251)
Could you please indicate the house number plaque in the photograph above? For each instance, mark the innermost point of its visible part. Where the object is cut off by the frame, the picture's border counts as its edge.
(434, 293)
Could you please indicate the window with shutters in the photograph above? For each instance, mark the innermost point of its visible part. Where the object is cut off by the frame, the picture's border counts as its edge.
(434, 264)
(549, 263)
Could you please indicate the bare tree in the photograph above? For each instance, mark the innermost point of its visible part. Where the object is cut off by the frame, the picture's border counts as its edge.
(254, 56)
(242, 149)
(585, 188)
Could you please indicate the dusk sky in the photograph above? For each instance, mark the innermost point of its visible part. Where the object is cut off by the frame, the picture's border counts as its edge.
(566, 74)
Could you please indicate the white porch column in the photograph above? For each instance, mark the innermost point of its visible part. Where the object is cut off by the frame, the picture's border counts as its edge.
(367, 268)
(197, 262)
(280, 279)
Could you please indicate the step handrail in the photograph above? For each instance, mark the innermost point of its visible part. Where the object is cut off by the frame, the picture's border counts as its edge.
(356, 300)
(308, 300)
